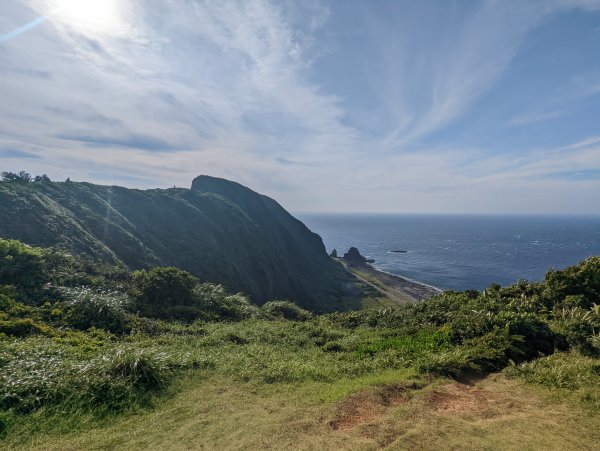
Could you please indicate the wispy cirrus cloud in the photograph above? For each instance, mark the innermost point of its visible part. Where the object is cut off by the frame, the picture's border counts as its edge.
(348, 105)
(534, 116)
(18, 154)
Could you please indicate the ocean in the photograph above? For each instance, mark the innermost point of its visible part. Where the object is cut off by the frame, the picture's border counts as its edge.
(462, 252)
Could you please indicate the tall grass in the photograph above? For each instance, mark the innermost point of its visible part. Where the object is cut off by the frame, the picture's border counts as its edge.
(566, 373)
(39, 372)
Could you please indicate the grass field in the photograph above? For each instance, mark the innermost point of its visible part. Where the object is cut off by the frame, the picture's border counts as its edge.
(388, 411)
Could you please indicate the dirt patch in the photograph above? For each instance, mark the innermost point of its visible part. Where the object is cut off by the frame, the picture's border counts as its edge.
(459, 397)
(364, 407)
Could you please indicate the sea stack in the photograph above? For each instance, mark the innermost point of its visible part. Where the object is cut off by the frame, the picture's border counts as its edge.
(354, 257)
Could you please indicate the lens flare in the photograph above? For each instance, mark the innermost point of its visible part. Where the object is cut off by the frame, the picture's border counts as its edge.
(93, 15)
(22, 29)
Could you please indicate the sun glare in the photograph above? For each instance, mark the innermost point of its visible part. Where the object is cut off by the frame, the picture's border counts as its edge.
(92, 15)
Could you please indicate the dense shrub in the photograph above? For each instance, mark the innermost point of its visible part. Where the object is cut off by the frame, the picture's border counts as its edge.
(537, 337)
(213, 303)
(285, 310)
(23, 327)
(453, 363)
(157, 290)
(40, 373)
(581, 280)
(103, 310)
(489, 352)
(7, 297)
(67, 270)
(22, 266)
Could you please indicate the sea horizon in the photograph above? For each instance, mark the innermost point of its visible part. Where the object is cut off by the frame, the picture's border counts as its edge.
(462, 251)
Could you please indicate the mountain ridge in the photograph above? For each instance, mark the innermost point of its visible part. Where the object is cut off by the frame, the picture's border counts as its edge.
(219, 230)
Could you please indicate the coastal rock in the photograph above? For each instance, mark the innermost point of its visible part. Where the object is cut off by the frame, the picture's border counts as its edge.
(353, 256)
(334, 254)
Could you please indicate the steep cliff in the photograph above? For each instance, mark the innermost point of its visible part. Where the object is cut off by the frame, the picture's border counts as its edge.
(219, 230)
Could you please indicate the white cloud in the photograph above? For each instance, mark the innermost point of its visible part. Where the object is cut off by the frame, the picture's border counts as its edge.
(177, 88)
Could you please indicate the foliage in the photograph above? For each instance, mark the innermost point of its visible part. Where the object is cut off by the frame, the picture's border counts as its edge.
(285, 310)
(159, 291)
(425, 340)
(213, 303)
(581, 281)
(83, 348)
(87, 308)
(21, 177)
(41, 373)
(564, 370)
(21, 266)
(22, 327)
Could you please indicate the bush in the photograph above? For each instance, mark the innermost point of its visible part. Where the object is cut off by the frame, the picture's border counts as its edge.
(159, 289)
(23, 267)
(453, 363)
(23, 328)
(39, 373)
(537, 337)
(7, 295)
(213, 303)
(576, 326)
(581, 280)
(139, 369)
(489, 352)
(493, 351)
(285, 310)
(103, 310)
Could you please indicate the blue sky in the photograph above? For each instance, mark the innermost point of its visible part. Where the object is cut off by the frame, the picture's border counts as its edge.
(372, 106)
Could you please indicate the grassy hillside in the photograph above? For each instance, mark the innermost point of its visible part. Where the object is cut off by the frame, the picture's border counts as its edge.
(82, 367)
(219, 230)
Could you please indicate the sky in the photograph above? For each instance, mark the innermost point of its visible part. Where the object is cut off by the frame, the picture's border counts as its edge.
(341, 106)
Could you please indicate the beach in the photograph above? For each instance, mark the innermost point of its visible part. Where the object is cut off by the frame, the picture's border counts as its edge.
(416, 290)
(399, 289)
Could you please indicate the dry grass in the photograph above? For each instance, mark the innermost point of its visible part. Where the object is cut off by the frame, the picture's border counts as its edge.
(495, 413)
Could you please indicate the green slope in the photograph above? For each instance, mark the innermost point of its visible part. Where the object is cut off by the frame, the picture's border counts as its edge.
(219, 230)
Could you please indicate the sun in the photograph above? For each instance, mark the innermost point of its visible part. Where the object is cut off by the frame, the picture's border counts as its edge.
(91, 15)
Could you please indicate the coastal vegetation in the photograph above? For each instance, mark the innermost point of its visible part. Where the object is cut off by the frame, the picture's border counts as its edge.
(98, 356)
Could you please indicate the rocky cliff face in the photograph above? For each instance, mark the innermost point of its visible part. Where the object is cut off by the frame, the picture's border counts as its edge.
(219, 230)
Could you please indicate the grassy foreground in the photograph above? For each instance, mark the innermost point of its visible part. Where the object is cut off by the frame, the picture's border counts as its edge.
(97, 358)
(216, 413)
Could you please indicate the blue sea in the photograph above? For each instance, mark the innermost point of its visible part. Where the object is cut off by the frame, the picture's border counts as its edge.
(462, 251)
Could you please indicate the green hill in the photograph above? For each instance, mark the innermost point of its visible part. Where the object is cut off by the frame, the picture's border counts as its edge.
(218, 230)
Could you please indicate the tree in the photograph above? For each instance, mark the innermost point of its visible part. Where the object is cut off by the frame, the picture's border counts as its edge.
(21, 177)
(42, 178)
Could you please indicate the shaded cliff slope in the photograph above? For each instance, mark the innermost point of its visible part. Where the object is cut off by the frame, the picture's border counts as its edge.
(219, 230)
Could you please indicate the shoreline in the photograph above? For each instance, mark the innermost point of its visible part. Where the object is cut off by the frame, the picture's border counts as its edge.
(397, 288)
(423, 284)
(417, 290)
